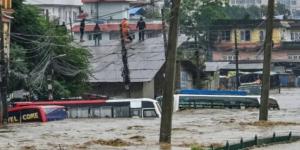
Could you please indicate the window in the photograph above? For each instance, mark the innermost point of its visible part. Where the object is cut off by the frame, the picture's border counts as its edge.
(135, 112)
(149, 113)
(245, 35)
(225, 35)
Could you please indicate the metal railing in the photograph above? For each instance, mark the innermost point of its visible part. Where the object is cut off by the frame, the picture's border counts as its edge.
(257, 142)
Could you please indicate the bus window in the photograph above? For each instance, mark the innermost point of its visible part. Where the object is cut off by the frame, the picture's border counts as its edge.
(122, 111)
(146, 104)
(95, 112)
(148, 113)
(106, 112)
(136, 112)
(83, 112)
(72, 112)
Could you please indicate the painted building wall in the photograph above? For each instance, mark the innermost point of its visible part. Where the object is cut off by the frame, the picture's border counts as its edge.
(107, 10)
(255, 35)
(62, 13)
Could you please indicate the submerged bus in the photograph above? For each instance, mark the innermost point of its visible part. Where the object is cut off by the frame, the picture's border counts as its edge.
(34, 113)
(189, 101)
(211, 92)
(117, 108)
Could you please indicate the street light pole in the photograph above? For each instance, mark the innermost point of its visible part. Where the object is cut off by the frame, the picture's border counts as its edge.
(236, 60)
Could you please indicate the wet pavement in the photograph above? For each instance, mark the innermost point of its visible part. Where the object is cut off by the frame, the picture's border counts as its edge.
(191, 127)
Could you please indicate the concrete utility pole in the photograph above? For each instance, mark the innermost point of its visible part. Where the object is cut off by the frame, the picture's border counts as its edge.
(4, 72)
(236, 60)
(71, 28)
(263, 111)
(168, 96)
(164, 29)
(1, 69)
(125, 72)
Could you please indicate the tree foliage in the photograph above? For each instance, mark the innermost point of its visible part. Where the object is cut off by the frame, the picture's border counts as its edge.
(36, 47)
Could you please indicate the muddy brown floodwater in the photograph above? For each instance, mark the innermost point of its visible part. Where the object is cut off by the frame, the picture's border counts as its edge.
(191, 127)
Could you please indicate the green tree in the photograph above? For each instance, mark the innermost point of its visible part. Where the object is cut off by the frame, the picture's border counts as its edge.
(36, 44)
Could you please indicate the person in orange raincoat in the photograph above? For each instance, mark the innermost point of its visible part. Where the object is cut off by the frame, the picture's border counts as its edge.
(125, 30)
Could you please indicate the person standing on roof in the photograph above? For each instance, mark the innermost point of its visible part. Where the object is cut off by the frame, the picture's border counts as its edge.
(125, 30)
(141, 25)
(82, 26)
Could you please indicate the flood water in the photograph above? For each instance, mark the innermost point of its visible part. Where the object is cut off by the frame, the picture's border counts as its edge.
(191, 127)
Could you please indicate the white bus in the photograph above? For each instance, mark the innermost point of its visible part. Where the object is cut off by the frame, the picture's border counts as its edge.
(190, 101)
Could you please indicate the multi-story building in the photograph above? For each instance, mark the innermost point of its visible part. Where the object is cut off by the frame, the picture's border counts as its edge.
(292, 5)
(58, 10)
(107, 9)
(248, 3)
(107, 14)
(250, 38)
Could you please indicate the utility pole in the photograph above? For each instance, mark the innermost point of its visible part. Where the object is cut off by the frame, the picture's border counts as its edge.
(125, 71)
(168, 96)
(50, 80)
(47, 15)
(236, 60)
(71, 28)
(197, 55)
(263, 111)
(4, 71)
(164, 29)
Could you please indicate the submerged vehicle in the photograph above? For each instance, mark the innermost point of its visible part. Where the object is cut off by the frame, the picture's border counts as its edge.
(189, 101)
(34, 113)
(210, 92)
(124, 108)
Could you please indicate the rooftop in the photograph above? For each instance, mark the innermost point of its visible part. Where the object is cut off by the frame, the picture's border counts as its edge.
(116, 27)
(54, 2)
(145, 59)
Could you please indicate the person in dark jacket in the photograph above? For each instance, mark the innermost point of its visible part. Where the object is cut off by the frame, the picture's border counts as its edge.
(82, 26)
(141, 25)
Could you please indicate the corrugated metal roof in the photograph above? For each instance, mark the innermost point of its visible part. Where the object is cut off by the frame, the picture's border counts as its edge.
(145, 59)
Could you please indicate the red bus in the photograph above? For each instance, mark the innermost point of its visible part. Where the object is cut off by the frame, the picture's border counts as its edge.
(34, 113)
(117, 108)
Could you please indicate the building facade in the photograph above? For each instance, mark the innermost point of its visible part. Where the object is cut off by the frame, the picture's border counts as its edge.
(250, 40)
(60, 11)
(292, 5)
(107, 9)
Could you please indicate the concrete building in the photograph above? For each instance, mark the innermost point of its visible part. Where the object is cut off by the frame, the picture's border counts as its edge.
(248, 3)
(58, 10)
(292, 5)
(250, 39)
(107, 9)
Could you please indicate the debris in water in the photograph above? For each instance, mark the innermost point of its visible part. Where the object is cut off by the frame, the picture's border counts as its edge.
(115, 142)
(268, 123)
